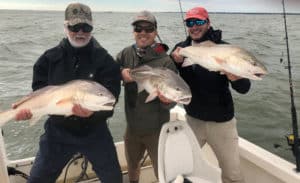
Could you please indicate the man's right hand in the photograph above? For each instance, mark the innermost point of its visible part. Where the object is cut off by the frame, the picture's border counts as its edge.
(23, 114)
(176, 57)
(126, 75)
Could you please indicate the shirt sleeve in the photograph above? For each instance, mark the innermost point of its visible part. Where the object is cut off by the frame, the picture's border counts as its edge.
(241, 85)
(110, 76)
(40, 73)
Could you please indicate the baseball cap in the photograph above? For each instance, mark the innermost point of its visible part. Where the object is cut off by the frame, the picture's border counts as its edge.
(197, 12)
(77, 13)
(145, 16)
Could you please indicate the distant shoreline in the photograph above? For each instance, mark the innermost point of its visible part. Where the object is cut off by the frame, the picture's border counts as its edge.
(249, 13)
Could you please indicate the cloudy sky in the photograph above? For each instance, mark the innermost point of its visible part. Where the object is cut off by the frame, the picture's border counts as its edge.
(292, 6)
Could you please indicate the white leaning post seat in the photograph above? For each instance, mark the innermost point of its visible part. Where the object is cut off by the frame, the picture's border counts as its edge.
(179, 153)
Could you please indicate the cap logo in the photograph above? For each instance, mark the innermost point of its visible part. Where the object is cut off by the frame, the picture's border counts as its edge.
(75, 11)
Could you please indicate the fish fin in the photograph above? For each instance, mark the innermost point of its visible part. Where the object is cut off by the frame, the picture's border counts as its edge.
(151, 97)
(187, 62)
(143, 68)
(140, 88)
(46, 89)
(206, 43)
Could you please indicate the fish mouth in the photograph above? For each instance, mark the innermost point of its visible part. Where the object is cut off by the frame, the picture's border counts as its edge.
(185, 101)
(110, 104)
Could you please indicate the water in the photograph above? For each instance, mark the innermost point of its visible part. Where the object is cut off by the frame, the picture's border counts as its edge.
(263, 114)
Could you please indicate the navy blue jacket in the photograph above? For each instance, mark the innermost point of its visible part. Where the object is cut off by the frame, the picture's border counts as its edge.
(64, 63)
(211, 96)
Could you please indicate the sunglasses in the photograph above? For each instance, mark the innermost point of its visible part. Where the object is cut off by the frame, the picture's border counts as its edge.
(148, 29)
(191, 23)
(82, 26)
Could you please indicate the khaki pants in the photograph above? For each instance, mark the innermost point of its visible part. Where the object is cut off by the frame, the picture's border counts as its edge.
(223, 139)
(135, 148)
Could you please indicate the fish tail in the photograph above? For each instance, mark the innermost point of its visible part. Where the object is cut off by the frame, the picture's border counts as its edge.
(6, 116)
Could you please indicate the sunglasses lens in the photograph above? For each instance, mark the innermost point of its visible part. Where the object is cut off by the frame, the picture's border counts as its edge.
(87, 28)
(72, 28)
(84, 27)
(200, 22)
(139, 29)
(149, 29)
(191, 23)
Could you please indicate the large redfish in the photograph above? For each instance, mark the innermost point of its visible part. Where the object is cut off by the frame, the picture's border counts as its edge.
(224, 58)
(60, 99)
(162, 80)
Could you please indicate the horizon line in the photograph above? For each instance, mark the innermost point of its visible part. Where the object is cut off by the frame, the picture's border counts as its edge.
(109, 11)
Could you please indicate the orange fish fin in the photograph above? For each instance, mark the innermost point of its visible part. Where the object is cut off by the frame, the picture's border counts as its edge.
(151, 97)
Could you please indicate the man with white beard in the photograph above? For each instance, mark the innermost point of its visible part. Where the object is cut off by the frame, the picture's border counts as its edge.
(79, 56)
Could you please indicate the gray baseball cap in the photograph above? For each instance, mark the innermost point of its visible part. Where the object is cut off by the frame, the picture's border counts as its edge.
(77, 13)
(144, 16)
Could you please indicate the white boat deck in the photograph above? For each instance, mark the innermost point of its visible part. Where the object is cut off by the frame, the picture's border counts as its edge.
(258, 165)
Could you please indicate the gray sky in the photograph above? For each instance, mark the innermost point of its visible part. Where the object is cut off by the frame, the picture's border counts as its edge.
(159, 5)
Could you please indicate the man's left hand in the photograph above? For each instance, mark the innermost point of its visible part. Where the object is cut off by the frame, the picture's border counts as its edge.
(232, 77)
(163, 99)
(80, 111)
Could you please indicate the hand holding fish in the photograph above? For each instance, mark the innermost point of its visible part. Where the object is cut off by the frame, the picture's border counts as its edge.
(24, 114)
(176, 56)
(126, 75)
(231, 76)
(80, 111)
(163, 99)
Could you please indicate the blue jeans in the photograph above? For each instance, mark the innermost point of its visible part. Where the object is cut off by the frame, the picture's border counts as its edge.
(57, 147)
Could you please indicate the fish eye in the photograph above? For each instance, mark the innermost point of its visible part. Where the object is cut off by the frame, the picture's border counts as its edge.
(177, 89)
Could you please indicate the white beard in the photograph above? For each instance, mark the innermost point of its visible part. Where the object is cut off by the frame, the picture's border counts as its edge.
(75, 43)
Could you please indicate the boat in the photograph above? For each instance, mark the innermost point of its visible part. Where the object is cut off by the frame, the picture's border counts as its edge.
(258, 165)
